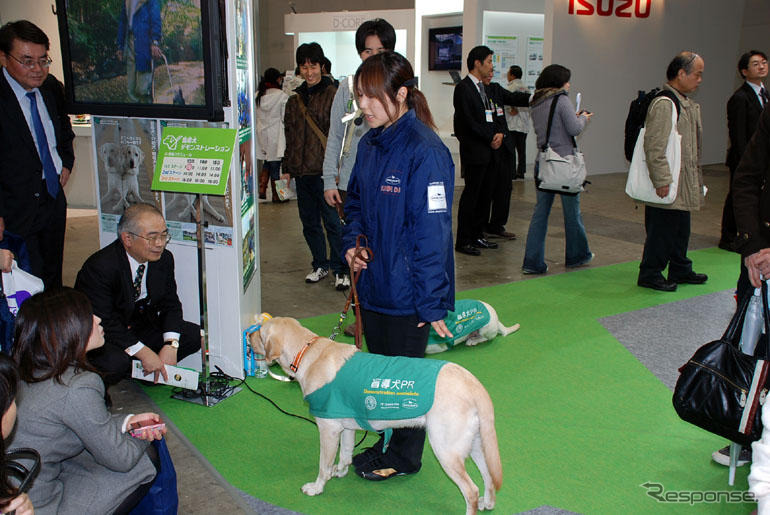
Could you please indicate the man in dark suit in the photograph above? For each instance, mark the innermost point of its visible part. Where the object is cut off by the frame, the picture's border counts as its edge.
(36, 154)
(486, 147)
(132, 288)
(743, 110)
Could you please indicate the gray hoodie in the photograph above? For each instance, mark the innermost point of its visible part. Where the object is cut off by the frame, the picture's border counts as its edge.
(335, 141)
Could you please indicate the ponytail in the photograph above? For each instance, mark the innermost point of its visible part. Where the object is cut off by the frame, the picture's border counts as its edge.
(382, 75)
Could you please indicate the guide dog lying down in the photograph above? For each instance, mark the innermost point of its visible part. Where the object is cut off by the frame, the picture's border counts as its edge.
(472, 322)
(459, 422)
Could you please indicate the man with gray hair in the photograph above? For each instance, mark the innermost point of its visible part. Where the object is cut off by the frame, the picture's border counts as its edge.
(668, 225)
(131, 285)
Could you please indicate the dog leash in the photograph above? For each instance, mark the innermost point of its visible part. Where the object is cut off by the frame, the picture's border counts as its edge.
(362, 246)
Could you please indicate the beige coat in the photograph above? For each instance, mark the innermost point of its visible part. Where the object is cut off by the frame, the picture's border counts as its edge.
(658, 127)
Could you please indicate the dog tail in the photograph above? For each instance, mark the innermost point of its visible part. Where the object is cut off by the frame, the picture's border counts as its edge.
(505, 331)
(489, 438)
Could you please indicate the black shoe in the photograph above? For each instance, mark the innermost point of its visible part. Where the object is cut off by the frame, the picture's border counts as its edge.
(693, 278)
(658, 283)
(722, 456)
(380, 469)
(367, 455)
(518, 176)
(481, 243)
(468, 249)
(501, 234)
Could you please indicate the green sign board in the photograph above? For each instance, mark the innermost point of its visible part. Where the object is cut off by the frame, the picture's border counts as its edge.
(194, 160)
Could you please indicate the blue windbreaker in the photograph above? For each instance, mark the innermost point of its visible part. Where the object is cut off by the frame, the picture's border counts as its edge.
(400, 197)
(146, 26)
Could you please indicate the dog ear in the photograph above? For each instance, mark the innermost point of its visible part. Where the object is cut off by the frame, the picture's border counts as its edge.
(270, 343)
(255, 341)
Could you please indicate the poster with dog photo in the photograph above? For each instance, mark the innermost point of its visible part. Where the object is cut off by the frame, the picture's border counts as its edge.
(125, 151)
(180, 208)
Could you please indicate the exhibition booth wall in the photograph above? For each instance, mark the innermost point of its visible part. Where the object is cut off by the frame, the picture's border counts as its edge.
(613, 55)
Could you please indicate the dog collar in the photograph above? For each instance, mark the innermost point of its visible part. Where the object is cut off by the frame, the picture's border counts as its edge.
(295, 364)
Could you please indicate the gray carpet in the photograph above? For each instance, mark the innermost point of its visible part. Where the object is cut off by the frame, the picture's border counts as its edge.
(671, 333)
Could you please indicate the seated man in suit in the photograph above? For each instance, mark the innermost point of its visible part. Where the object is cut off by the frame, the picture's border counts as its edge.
(141, 313)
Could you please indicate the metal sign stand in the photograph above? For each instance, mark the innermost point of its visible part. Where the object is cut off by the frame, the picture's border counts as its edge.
(205, 397)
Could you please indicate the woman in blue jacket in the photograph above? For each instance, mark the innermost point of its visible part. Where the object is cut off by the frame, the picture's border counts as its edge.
(400, 198)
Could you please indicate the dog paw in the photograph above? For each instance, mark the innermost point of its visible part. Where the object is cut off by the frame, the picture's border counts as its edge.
(312, 488)
(340, 471)
(486, 504)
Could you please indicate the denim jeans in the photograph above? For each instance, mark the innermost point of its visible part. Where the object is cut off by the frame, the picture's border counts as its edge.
(312, 210)
(576, 250)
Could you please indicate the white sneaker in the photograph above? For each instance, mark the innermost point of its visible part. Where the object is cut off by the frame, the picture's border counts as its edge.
(316, 275)
(341, 282)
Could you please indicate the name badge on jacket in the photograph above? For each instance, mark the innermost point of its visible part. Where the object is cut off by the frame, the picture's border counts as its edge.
(488, 113)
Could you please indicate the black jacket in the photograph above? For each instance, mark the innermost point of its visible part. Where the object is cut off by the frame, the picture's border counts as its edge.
(106, 279)
(21, 170)
(470, 125)
(743, 110)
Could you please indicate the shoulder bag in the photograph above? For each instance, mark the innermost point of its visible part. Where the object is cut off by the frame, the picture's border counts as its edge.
(639, 185)
(721, 389)
(557, 174)
(313, 126)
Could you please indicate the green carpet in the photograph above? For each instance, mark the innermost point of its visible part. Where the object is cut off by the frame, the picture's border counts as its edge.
(582, 424)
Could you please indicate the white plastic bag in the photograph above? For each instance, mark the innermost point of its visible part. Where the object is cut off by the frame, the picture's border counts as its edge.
(18, 286)
(284, 189)
(639, 186)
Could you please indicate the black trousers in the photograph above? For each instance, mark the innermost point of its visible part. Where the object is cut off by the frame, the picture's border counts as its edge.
(503, 174)
(398, 336)
(45, 238)
(475, 200)
(668, 234)
(729, 229)
(114, 364)
(520, 143)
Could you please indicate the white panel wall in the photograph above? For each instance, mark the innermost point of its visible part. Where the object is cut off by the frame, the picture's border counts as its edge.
(611, 58)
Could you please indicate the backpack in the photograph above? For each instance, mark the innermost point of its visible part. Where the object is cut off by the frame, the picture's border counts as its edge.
(637, 112)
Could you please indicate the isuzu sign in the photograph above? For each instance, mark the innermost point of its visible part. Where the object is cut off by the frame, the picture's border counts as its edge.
(619, 8)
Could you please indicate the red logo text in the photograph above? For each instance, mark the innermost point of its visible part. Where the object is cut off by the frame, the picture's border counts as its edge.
(620, 8)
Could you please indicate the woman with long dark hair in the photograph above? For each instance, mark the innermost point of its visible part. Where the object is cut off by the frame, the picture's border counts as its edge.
(553, 86)
(400, 198)
(90, 464)
(271, 142)
(10, 499)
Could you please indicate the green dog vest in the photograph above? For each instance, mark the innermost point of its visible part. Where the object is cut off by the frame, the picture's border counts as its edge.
(375, 387)
(469, 316)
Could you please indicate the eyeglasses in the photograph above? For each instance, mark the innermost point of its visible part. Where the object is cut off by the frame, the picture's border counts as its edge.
(29, 63)
(159, 238)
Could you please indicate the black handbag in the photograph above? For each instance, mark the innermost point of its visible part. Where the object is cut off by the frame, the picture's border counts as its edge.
(721, 389)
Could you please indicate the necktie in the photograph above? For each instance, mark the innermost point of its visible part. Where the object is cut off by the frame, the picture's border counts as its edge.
(49, 170)
(764, 95)
(483, 94)
(138, 281)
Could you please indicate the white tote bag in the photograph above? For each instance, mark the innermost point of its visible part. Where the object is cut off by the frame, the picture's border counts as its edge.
(18, 286)
(639, 186)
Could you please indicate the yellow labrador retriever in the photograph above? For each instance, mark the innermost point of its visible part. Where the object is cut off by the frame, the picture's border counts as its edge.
(461, 421)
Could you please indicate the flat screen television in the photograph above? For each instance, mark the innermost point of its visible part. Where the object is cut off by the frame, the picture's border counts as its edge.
(445, 46)
(166, 62)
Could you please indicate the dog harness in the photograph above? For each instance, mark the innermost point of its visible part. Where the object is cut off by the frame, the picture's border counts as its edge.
(375, 387)
(469, 316)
